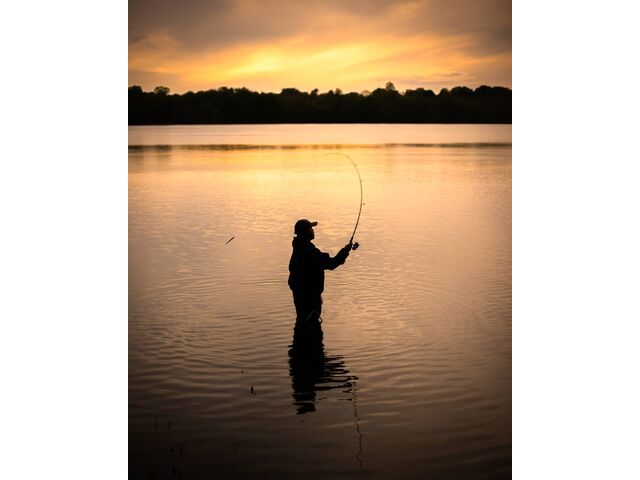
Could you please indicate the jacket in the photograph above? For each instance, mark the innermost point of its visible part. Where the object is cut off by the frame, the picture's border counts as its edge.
(307, 266)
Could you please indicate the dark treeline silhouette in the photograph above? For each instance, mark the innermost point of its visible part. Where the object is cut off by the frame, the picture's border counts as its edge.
(383, 105)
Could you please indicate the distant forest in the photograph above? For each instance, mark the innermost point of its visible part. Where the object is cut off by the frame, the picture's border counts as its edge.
(383, 105)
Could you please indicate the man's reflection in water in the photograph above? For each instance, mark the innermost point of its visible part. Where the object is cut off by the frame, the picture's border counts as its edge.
(311, 370)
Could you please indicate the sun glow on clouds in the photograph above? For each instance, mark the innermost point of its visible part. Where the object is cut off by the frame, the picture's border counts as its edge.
(299, 64)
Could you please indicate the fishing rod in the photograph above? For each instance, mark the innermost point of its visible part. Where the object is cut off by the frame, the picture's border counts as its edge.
(355, 245)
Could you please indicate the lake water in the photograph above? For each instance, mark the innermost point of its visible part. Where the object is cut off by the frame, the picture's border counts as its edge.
(415, 378)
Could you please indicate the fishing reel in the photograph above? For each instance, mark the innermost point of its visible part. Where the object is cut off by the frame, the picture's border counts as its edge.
(355, 246)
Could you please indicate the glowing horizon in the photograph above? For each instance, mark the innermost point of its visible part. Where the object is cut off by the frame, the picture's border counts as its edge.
(266, 46)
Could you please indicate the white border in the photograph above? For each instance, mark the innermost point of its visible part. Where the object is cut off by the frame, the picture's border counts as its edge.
(64, 240)
(575, 230)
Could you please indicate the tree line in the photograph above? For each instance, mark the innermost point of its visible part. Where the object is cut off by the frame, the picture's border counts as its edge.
(383, 105)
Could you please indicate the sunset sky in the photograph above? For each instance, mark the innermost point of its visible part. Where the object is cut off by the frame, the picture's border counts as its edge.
(352, 45)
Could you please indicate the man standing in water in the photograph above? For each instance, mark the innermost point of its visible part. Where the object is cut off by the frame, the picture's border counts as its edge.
(306, 275)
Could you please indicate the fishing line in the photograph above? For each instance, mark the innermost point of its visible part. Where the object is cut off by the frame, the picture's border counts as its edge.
(355, 245)
(354, 400)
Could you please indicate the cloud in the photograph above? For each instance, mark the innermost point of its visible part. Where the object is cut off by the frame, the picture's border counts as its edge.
(137, 38)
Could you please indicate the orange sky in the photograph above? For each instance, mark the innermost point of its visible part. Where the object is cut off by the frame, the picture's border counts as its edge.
(352, 45)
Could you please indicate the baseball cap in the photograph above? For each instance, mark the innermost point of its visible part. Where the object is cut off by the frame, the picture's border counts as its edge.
(303, 225)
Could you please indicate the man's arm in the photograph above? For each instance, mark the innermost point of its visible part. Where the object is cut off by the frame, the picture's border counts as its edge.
(331, 263)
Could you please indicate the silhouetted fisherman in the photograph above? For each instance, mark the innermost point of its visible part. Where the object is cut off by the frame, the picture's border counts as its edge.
(306, 277)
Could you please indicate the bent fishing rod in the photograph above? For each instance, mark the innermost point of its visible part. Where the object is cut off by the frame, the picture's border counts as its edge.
(355, 245)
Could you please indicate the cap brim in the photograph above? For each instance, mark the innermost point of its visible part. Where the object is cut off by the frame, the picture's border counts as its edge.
(313, 224)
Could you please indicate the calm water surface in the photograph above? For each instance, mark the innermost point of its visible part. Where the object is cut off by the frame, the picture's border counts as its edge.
(415, 380)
